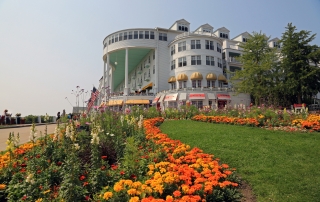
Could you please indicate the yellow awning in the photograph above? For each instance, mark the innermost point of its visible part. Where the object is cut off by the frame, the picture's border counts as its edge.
(137, 102)
(196, 76)
(172, 79)
(147, 86)
(182, 77)
(115, 102)
(221, 77)
(211, 76)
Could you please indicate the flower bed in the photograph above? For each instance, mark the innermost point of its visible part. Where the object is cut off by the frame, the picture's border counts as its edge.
(117, 160)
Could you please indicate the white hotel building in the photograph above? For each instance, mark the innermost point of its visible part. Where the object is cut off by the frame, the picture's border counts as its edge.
(171, 67)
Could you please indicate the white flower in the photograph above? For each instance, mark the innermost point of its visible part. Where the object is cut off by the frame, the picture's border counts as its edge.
(76, 146)
(29, 178)
(111, 135)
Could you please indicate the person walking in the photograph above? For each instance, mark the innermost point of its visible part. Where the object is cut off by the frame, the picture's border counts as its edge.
(58, 116)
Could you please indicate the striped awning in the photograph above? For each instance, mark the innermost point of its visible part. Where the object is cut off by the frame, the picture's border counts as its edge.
(172, 79)
(115, 102)
(147, 86)
(137, 102)
(196, 76)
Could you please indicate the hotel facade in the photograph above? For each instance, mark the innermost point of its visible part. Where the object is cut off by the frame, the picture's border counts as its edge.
(172, 67)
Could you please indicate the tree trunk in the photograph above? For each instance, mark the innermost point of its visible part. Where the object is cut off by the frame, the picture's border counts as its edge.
(299, 98)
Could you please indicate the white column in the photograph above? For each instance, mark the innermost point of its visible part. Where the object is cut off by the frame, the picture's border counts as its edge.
(126, 75)
(108, 77)
(156, 81)
(103, 89)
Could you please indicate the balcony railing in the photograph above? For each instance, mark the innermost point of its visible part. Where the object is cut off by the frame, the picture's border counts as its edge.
(233, 59)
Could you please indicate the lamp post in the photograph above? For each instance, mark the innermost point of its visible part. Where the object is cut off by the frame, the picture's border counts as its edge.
(84, 96)
(76, 94)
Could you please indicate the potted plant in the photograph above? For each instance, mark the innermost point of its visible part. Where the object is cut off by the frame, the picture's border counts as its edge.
(18, 116)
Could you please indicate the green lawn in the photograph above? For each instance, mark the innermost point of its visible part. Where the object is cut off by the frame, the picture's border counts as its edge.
(279, 166)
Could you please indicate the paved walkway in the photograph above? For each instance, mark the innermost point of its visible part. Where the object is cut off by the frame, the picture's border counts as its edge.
(24, 133)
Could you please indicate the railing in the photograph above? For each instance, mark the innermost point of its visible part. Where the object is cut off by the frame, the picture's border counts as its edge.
(224, 89)
(233, 59)
(185, 34)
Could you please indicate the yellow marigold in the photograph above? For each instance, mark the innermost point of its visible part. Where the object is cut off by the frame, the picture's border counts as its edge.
(2, 186)
(39, 200)
(107, 195)
(132, 192)
(128, 182)
(47, 191)
(117, 187)
(136, 184)
(169, 198)
(134, 199)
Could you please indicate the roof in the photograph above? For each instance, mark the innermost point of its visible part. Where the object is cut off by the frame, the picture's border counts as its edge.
(205, 25)
(180, 21)
(275, 39)
(244, 33)
(223, 28)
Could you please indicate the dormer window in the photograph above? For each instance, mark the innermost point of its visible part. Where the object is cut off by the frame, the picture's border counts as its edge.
(224, 35)
(276, 44)
(244, 39)
(206, 30)
(182, 28)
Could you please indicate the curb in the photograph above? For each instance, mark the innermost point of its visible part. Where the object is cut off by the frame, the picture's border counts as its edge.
(24, 125)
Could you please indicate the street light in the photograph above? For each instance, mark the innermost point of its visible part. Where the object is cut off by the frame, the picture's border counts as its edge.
(76, 94)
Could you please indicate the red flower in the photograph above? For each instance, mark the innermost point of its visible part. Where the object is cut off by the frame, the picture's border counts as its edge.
(24, 197)
(59, 163)
(133, 176)
(122, 172)
(114, 167)
(38, 171)
(104, 157)
(87, 198)
(38, 156)
(82, 177)
(23, 165)
(85, 184)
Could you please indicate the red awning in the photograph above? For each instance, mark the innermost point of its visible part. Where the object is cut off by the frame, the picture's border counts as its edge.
(155, 100)
(171, 97)
(197, 96)
(223, 97)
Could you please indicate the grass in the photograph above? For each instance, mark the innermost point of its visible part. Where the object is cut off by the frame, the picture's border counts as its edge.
(279, 166)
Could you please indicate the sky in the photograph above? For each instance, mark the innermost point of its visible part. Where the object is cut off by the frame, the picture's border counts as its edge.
(48, 48)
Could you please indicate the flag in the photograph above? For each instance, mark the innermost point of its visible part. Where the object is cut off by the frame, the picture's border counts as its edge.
(94, 95)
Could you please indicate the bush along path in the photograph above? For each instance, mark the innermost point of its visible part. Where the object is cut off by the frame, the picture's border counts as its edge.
(121, 158)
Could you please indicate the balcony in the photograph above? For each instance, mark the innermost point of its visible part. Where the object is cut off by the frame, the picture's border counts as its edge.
(147, 78)
(147, 66)
(139, 72)
(233, 60)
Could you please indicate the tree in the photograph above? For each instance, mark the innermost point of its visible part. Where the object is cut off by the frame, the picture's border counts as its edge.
(299, 61)
(260, 68)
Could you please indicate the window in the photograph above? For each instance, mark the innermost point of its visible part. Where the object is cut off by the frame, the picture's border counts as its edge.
(218, 47)
(182, 84)
(144, 75)
(196, 60)
(182, 62)
(149, 59)
(183, 28)
(196, 83)
(120, 37)
(140, 34)
(207, 30)
(209, 45)
(198, 104)
(112, 41)
(182, 46)
(173, 49)
(125, 36)
(210, 60)
(173, 64)
(149, 75)
(116, 38)
(154, 69)
(146, 34)
(210, 83)
(135, 34)
(109, 40)
(151, 35)
(244, 39)
(163, 36)
(219, 63)
(154, 55)
(130, 35)
(224, 35)
(195, 44)
(173, 85)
